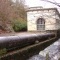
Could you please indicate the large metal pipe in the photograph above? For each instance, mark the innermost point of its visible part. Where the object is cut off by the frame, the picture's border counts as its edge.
(15, 42)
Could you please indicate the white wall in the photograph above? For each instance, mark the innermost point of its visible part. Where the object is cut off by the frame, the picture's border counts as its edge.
(49, 16)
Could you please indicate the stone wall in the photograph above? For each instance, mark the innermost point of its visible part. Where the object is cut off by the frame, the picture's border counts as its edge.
(51, 17)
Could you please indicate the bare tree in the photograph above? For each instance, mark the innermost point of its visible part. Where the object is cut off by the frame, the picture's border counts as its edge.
(9, 11)
(5, 13)
(55, 3)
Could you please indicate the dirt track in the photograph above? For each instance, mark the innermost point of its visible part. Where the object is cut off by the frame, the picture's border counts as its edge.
(20, 33)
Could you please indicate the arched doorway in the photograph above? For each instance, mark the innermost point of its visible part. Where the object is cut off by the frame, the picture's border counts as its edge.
(41, 24)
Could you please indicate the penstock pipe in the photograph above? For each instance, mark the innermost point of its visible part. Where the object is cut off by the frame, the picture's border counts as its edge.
(17, 42)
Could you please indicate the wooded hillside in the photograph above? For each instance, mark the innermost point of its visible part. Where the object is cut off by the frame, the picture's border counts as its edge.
(12, 15)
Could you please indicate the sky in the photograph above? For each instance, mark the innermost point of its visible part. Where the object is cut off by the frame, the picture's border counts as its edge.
(34, 3)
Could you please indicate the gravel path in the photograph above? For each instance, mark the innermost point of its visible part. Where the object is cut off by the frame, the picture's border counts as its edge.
(20, 33)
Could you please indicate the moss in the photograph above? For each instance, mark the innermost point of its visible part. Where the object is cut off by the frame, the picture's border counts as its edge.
(3, 51)
(47, 56)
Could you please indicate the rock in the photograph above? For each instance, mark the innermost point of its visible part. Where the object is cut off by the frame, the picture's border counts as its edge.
(52, 52)
(43, 53)
(36, 41)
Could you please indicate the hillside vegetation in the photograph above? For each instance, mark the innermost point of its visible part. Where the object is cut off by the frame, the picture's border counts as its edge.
(12, 16)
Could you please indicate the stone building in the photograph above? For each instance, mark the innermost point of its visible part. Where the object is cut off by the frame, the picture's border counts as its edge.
(43, 19)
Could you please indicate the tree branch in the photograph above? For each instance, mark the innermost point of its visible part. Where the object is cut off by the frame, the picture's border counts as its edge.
(52, 2)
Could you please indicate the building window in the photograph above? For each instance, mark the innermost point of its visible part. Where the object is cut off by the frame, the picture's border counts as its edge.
(40, 24)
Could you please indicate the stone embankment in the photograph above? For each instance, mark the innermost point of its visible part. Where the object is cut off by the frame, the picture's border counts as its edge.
(52, 52)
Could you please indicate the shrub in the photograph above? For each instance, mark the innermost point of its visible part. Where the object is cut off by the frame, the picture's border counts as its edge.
(20, 27)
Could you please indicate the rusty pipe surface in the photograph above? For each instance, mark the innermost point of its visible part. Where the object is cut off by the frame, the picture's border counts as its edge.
(14, 42)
